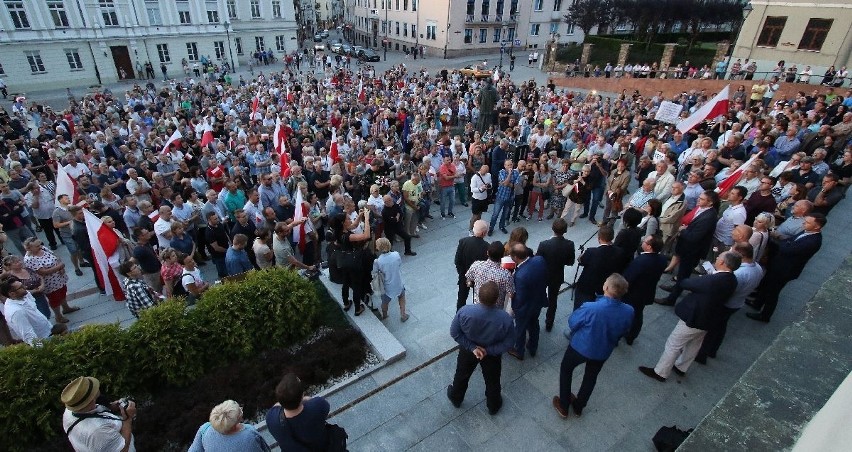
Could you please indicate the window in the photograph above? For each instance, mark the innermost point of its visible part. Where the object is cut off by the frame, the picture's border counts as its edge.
(815, 34)
(510, 34)
(73, 57)
(384, 27)
(280, 43)
(212, 16)
(497, 33)
(405, 5)
(397, 5)
(554, 27)
(163, 53)
(219, 49)
(36, 65)
(18, 14)
(571, 27)
(534, 28)
(414, 5)
(232, 9)
(276, 9)
(471, 7)
(557, 5)
(108, 13)
(483, 35)
(771, 33)
(153, 9)
(405, 30)
(185, 17)
(431, 31)
(468, 35)
(255, 9)
(413, 31)
(258, 43)
(57, 13)
(513, 7)
(486, 5)
(500, 7)
(538, 5)
(192, 51)
(397, 28)
(238, 43)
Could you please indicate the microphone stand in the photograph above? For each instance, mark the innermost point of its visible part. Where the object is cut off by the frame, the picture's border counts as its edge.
(577, 270)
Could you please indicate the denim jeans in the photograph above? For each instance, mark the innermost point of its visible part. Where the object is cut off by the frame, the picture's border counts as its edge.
(448, 195)
(501, 208)
(591, 207)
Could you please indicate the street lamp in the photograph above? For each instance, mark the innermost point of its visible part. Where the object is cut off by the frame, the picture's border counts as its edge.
(747, 9)
(502, 44)
(230, 52)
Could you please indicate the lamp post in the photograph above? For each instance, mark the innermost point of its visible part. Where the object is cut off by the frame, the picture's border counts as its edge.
(230, 52)
(747, 9)
(502, 44)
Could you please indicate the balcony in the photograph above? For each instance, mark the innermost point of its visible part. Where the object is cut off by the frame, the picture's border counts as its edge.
(498, 18)
(373, 14)
(468, 18)
(556, 16)
(484, 18)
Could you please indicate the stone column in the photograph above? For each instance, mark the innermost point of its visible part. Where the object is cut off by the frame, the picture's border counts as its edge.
(622, 54)
(668, 54)
(587, 50)
(721, 51)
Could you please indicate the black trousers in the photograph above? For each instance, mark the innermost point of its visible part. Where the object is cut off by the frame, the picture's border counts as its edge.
(570, 360)
(767, 295)
(684, 271)
(713, 338)
(49, 231)
(391, 231)
(491, 366)
(552, 295)
(464, 292)
(355, 281)
(638, 319)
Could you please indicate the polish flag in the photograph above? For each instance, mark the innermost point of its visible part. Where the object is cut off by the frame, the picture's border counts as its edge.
(333, 152)
(284, 162)
(300, 233)
(716, 107)
(734, 178)
(362, 96)
(66, 185)
(154, 215)
(175, 138)
(277, 135)
(207, 135)
(105, 243)
(255, 104)
(290, 96)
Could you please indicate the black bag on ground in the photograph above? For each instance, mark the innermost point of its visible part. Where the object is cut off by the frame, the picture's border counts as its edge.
(668, 439)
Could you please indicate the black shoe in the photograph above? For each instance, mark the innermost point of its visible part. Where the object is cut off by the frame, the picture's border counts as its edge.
(490, 232)
(451, 215)
(430, 217)
(465, 204)
(649, 371)
(449, 396)
(584, 215)
(53, 247)
(443, 216)
(359, 310)
(493, 410)
(700, 359)
(548, 327)
(757, 316)
(667, 287)
(85, 264)
(629, 341)
(410, 253)
(504, 231)
(347, 305)
(664, 301)
(678, 371)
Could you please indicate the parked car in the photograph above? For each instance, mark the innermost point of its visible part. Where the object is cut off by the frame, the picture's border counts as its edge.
(356, 51)
(317, 38)
(324, 33)
(319, 47)
(345, 49)
(336, 47)
(369, 55)
(475, 72)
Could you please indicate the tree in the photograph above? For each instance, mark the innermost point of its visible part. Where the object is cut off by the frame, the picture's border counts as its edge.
(587, 13)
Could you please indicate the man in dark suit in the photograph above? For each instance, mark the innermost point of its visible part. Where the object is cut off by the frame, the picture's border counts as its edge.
(699, 311)
(598, 263)
(693, 242)
(470, 250)
(558, 253)
(787, 265)
(530, 297)
(642, 276)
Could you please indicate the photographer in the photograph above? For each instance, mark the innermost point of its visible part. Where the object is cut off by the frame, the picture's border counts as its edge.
(480, 186)
(93, 427)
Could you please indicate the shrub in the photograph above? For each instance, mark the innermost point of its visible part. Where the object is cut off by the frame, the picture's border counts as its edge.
(168, 347)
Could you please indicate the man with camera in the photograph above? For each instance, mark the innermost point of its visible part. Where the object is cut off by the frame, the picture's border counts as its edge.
(93, 427)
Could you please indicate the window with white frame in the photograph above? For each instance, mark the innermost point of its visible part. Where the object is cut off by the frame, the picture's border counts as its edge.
(231, 5)
(36, 64)
(238, 43)
(153, 10)
(468, 35)
(554, 27)
(219, 49)
(163, 53)
(571, 27)
(397, 28)
(414, 5)
(483, 35)
(258, 43)
(192, 51)
(534, 29)
(74, 61)
(212, 13)
(497, 33)
(57, 13)
(431, 31)
(557, 5)
(414, 30)
(276, 9)
(405, 5)
(184, 16)
(255, 9)
(405, 29)
(538, 5)
(281, 43)
(110, 16)
(18, 14)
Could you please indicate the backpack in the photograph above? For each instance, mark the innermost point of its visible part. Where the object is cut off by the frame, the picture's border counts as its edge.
(668, 439)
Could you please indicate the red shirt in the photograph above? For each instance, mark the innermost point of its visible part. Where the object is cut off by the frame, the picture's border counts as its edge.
(216, 172)
(446, 169)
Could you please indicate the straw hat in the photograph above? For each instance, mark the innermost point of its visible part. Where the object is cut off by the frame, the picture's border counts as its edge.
(80, 393)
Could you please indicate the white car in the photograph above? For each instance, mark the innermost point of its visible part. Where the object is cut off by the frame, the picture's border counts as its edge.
(319, 47)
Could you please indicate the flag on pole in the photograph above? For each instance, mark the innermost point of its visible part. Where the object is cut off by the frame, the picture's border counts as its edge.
(66, 185)
(734, 178)
(300, 232)
(175, 138)
(278, 135)
(333, 152)
(284, 169)
(362, 96)
(207, 134)
(105, 243)
(255, 104)
(717, 106)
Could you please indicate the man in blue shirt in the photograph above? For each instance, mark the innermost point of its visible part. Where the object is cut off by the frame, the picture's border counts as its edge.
(236, 258)
(595, 329)
(507, 179)
(678, 144)
(484, 332)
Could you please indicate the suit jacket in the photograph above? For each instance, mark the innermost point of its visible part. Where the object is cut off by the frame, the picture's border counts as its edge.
(702, 308)
(470, 250)
(792, 255)
(694, 241)
(670, 218)
(598, 263)
(530, 285)
(642, 276)
(558, 253)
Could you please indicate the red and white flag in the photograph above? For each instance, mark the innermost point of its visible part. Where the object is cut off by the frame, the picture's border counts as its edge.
(105, 243)
(289, 95)
(734, 178)
(716, 107)
(174, 139)
(207, 134)
(362, 96)
(255, 103)
(333, 152)
(284, 161)
(300, 233)
(66, 185)
(278, 136)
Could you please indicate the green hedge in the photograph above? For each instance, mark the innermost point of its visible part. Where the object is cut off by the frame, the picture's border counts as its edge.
(605, 50)
(167, 346)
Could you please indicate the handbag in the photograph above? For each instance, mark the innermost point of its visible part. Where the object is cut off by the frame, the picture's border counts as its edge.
(491, 193)
(378, 283)
(348, 259)
(335, 436)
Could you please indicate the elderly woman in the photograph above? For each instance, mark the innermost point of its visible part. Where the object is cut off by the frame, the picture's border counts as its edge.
(387, 268)
(560, 180)
(48, 266)
(228, 432)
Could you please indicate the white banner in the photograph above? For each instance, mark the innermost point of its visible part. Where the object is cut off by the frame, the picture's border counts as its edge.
(669, 112)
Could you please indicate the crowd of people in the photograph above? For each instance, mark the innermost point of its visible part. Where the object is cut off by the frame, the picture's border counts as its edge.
(331, 166)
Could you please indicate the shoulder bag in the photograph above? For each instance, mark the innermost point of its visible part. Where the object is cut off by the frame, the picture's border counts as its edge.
(335, 436)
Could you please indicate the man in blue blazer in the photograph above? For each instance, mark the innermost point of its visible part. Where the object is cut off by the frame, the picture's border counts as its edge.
(642, 276)
(530, 297)
(787, 265)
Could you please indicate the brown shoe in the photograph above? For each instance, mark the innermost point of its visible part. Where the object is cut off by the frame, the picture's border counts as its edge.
(651, 373)
(514, 353)
(557, 405)
(70, 310)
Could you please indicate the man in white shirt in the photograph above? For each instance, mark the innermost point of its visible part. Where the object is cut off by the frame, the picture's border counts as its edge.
(138, 186)
(22, 316)
(94, 427)
(732, 217)
(74, 169)
(163, 227)
(663, 180)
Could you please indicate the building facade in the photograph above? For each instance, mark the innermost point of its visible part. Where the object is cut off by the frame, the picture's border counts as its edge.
(452, 28)
(45, 44)
(800, 32)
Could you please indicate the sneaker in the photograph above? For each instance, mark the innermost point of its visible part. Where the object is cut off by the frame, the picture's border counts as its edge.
(422, 226)
(452, 215)
(429, 216)
(444, 217)
(417, 229)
